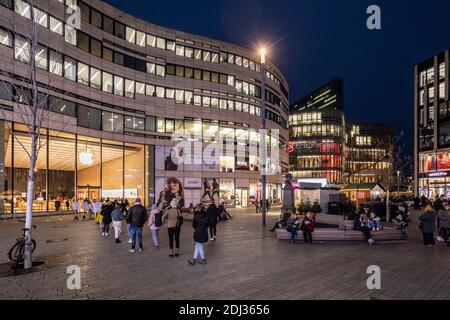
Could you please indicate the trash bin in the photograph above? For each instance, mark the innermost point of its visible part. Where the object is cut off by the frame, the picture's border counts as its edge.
(336, 208)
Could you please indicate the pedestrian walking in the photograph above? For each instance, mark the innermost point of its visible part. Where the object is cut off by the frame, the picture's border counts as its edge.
(428, 225)
(258, 208)
(117, 218)
(200, 225)
(213, 216)
(136, 217)
(106, 221)
(444, 229)
(155, 223)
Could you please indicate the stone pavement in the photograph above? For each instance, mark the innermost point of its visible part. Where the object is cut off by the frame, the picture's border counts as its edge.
(244, 263)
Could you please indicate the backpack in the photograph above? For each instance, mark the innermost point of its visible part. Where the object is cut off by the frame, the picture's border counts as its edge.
(180, 220)
(158, 219)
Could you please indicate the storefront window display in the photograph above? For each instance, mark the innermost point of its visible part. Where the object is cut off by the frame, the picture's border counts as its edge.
(134, 172)
(72, 168)
(227, 191)
(18, 166)
(112, 170)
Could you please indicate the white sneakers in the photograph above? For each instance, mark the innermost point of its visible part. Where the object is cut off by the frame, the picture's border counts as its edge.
(129, 241)
(103, 234)
(132, 250)
(371, 241)
(439, 239)
(213, 238)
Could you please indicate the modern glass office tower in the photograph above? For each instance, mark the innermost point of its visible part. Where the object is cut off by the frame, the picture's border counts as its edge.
(326, 149)
(119, 87)
(432, 127)
(317, 135)
(369, 153)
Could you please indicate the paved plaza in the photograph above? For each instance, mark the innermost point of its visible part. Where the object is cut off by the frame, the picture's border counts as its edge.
(244, 263)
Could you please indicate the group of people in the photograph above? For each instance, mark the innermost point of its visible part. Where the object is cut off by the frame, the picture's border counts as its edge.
(435, 218)
(258, 205)
(307, 225)
(167, 212)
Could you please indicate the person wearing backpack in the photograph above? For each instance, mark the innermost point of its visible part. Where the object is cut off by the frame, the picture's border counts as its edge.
(213, 215)
(200, 225)
(117, 218)
(154, 223)
(136, 217)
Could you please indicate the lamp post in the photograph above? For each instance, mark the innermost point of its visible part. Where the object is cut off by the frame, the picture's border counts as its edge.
(398, 183)
(263, 146)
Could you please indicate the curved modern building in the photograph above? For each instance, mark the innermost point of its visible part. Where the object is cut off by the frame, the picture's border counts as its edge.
(118, 88)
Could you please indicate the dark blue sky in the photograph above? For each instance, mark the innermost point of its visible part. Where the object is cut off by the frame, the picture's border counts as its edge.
(315, 40)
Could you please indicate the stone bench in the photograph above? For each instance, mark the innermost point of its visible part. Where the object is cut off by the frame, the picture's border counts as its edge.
(325, 234)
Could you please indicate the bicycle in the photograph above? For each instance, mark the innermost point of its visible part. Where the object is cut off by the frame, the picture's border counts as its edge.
(17, 252)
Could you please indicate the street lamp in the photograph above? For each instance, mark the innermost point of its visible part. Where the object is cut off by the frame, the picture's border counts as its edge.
(263, 146)
(398, 183)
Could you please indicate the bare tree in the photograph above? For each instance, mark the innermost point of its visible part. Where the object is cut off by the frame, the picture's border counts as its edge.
(32, 103)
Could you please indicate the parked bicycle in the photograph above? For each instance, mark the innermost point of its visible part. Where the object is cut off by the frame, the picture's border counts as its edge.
(17, 253)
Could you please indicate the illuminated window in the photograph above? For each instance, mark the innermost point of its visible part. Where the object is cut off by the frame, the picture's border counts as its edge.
(56, 25)
(22, 49)
(107, 82)
(83, 73)
(95, 78)
(130, 34)
(22, 8)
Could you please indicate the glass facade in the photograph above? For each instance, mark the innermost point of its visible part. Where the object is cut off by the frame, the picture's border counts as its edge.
(69, 168)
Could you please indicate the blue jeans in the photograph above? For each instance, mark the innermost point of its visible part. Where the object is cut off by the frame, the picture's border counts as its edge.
(293, 233)
(199, 251)
(134, 231)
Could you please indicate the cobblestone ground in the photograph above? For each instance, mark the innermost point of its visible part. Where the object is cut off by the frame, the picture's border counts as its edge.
(244, 263)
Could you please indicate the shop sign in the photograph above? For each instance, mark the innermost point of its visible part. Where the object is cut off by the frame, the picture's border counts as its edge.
(437, 174)
(192, 183)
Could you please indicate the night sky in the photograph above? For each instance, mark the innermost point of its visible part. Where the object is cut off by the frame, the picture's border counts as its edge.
(315, 40)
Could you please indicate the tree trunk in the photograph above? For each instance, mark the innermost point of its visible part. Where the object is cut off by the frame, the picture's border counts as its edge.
(28, 261)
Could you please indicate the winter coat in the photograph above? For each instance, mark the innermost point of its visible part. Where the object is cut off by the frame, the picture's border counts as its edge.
(106, 213)
(444, 219)
(437, 205)
(200, 225)
(213, 215)
(117, 215)
(428, 221)
(172, 217)
(136, 216)
(166, 198)
(308, 224)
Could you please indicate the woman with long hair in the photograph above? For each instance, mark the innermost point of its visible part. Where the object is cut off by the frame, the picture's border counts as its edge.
(171, 201)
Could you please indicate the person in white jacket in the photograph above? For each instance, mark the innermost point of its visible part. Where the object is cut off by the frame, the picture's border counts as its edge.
(153, 225)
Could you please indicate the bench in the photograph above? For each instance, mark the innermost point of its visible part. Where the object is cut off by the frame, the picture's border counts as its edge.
(322, 234)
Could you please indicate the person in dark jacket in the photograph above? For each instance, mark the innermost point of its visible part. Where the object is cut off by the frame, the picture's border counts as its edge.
(439, 203)
(307, 226)
(106, 213)
(136, 217)
(428, 225)
(117, 218)
(213, 216)
(200, 225)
